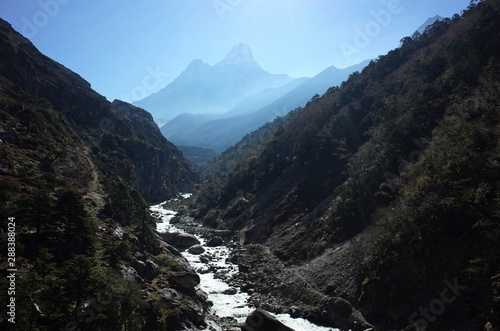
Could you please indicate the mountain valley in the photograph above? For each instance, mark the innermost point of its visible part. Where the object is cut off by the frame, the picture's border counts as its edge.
(364, 198)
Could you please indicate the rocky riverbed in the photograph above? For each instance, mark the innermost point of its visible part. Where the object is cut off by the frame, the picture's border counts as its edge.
(223, 272)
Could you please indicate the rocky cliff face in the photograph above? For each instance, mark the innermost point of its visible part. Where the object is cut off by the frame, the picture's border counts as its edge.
(124, 140)
(158, 166)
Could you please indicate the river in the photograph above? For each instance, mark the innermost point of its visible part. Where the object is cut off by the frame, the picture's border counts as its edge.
(226, 303)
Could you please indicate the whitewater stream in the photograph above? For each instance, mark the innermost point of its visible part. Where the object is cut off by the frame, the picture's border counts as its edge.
(225, 302)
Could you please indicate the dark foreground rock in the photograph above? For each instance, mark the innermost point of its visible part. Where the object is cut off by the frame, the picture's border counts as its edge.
(261, 320)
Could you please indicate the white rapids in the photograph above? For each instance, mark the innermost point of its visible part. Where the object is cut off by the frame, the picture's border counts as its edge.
(224, 305)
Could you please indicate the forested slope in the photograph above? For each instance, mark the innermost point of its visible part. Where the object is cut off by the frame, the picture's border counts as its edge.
(403, 156)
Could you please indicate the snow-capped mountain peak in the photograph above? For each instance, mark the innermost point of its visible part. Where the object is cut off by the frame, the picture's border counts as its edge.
(240, 55)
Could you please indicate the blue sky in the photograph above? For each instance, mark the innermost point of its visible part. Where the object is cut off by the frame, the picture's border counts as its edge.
(120, 45)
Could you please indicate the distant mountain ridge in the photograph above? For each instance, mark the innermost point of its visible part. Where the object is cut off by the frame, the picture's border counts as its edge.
(203, 88)
(221, 133)
(254, 111)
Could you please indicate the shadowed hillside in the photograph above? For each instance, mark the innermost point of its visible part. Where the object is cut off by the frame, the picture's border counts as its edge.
(74, 172)
(384, 191)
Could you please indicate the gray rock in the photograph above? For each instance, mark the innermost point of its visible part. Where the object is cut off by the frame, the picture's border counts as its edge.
(188, 220)
(196, 249)
(230, 291)
(175, 220)
(215, 241)
(171, 296)
(203, 271)
(152, 270)
(171, 249)
(130, 274)
(180, 240)
(139, 266)
(185, 280)
(340, 312)
(261, 320)
(147, 269)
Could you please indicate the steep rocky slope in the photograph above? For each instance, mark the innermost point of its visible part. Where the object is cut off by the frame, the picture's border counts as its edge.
(122, 135)
(404, 157)
(74, 169)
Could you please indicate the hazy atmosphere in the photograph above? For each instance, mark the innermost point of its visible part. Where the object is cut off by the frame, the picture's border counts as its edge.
(116, 44)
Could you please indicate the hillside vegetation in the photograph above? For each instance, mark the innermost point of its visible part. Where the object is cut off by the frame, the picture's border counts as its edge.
(75, 171)
(403, 158)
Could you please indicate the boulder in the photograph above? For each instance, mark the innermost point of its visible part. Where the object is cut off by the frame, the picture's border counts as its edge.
(171, 249)
(152, 270)
(139, 266)
(180, 240)
(130, 274)
(187, 220)
(338, 311)
(146, 269)
(196, 249)
(230, 291)
(243, 268)
(261, 320)
(171, 296)
(175, 220)
(202, 271)
(215, 241)
(184, 280)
